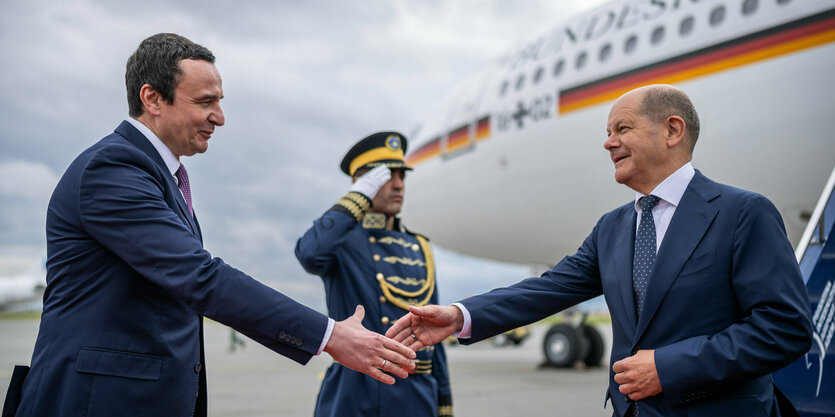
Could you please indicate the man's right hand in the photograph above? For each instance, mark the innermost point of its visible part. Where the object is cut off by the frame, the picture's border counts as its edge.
(371, 182)
(427, 325)
(365, 351)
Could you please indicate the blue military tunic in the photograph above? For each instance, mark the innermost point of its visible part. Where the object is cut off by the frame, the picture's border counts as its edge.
(361, 262)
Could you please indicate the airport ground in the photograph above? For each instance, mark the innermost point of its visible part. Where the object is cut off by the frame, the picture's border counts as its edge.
(487, 380)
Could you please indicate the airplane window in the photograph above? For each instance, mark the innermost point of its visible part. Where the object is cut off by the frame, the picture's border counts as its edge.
(686, 26)
(630, 44)
(558, 68)
(503, 88)
(581, 60)
(782, 2)
(605, 52)
(520, 82)
(749, 6)
(657, 35)
(717, 15)
(538, 75)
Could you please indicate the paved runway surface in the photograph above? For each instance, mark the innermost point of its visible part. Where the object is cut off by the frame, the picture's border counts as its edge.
(486, 380)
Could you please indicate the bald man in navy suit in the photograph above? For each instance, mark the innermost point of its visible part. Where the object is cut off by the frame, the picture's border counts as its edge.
(704, 291)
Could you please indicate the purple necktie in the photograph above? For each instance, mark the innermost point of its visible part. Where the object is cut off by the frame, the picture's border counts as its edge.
(182, 182)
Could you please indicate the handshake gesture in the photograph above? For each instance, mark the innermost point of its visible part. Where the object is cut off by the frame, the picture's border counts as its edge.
(372, 354)
(427, 325)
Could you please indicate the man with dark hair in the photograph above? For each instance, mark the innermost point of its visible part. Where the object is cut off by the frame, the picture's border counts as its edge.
(128, 280)
(704, 291)
(365, 255)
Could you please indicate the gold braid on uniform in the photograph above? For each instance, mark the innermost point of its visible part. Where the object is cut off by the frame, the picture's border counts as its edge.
(353, 203)
(428, 288)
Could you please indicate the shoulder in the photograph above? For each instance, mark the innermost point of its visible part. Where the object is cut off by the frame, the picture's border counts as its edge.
(730, 196)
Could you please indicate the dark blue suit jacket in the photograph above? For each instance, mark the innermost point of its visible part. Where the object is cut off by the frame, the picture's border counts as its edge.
(725, 305)
(127, 283)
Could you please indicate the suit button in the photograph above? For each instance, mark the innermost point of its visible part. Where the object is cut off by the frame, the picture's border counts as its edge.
(376, 257)
(382, 298)
(197, 368)
(385, 320)
(371, 239)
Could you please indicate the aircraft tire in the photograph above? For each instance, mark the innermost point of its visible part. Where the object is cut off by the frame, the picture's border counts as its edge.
(596, 346)
(563, 346)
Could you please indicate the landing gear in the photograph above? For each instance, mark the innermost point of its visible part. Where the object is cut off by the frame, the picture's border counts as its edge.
(566, 344)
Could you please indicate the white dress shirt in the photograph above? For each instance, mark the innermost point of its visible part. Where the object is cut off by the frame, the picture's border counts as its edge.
(669, 191)
(173, 164)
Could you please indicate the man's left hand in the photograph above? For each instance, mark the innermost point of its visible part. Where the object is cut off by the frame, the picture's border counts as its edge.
(637, 375)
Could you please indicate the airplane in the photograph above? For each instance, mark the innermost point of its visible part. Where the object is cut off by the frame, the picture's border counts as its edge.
(23, 291)
(501, 160)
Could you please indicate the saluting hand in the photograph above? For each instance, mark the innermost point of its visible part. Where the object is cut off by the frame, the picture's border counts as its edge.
(371, 182)
(427, 325)
(637, 375)
(365, 351)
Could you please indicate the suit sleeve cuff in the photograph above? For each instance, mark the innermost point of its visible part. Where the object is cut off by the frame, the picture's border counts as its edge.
(354, 204)
(327, 336)
(467, 330)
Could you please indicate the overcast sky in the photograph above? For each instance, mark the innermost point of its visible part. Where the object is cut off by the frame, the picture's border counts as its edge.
(303, 81)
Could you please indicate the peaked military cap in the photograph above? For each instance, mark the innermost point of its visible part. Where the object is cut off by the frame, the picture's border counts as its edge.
(380, 148)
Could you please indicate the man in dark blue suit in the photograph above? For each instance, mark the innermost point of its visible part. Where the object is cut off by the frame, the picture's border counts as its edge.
(128, 280)
(705, 294)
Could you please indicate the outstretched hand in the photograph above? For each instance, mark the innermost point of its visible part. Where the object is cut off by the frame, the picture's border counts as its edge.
(427, 325)
(364, 351)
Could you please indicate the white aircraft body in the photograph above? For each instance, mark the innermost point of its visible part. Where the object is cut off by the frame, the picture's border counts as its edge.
(511, 165)
(23, 290)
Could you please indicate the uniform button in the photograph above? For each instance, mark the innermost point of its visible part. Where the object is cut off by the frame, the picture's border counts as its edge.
(282, 335)
(376, 257)
(385, 320)
(382, 298)
(380, 276)
(415, 247)
(371, 239)
(197, 368)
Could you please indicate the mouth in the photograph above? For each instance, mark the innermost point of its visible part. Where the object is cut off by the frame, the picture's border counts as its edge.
(618, 158)
(206, 134)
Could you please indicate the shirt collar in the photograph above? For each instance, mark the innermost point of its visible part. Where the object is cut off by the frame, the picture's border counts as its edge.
(171, 161)
(673, 187)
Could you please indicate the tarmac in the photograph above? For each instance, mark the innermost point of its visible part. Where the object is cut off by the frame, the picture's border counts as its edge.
(487, 380)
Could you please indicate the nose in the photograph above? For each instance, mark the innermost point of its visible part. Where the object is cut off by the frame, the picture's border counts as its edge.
(611, 142)
(396, 181)
(216, 116)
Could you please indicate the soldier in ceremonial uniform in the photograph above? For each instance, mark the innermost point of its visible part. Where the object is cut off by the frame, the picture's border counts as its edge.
(365, 256)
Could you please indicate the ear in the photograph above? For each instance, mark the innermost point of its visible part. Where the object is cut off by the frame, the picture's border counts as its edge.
(151, 99)
(675, 131)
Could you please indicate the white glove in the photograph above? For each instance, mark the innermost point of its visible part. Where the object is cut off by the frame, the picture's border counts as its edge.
(371, 182)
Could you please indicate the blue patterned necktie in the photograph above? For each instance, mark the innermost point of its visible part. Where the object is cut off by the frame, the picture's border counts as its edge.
(645, 243)
(643, 262)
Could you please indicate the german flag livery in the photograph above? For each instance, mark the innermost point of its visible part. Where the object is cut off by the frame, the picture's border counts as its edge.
(457, 139)
(780, 40)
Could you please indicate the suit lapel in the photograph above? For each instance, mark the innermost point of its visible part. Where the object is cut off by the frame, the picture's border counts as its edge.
(139, 140)
(625, 240)
(691, 220)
